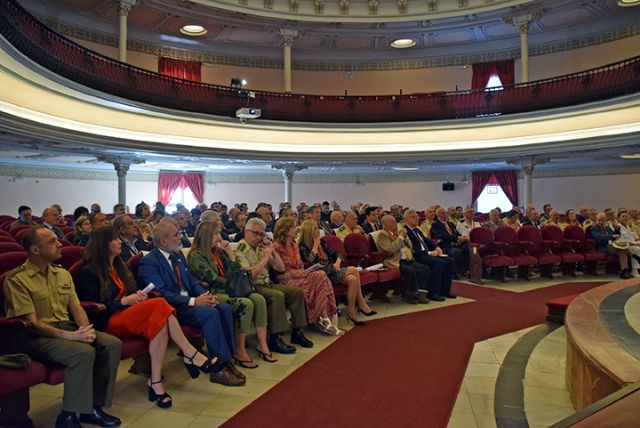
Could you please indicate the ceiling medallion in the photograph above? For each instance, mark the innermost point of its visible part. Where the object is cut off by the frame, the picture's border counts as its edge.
(403, 43)
(193, 30)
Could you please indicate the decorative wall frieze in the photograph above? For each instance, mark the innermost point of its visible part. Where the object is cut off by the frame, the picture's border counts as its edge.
(341, 65)
(26, 172)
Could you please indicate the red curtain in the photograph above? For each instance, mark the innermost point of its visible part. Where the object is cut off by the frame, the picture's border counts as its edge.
(168, 182)
(507, 180)
(190, 70)
(195, 182)
(483, 71)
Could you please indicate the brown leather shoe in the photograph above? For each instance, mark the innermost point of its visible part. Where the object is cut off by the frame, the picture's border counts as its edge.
(227, 378)
(235, 371)
(422, 298)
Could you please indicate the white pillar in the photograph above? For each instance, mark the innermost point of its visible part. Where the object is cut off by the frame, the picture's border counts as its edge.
(121, 170)
(288, 35)
(124, 6)
(524, 52)
(528, 184)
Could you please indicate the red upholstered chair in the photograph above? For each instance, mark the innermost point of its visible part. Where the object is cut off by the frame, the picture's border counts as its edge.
(586, 247)
(70, 235)
(490, 251)
(563, 248)
(11, 260)
(5, 233)
(70, 255)
(67, 229)
(133, 265)
(540, 249)
(336, 244)
(517, 250)
(18, 232)
(14, 388)
(5, 238)
(9, 246)
(6, 218)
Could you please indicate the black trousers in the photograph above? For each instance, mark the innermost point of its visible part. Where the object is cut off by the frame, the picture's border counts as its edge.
(442, 270)
(415, 275)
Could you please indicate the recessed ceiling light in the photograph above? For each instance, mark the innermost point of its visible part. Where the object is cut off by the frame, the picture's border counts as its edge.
(632, 156)
(404, 168)
(627, 3)
(403, 43)
(193, 30)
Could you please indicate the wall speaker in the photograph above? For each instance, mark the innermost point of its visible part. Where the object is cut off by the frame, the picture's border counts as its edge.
(448, 187)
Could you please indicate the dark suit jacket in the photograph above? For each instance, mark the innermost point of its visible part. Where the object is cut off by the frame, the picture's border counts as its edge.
(155, 268)
(415, 241)
(528, 222)
(602, 235)
(366, 226)
(439, 231)
(127, 252)
(88, 289)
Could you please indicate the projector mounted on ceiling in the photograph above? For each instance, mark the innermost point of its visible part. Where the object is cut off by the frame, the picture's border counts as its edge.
(245, 113)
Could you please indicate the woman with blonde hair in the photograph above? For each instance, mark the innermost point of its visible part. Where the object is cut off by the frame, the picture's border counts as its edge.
(318, 292)
(313, 250)
(211, 260)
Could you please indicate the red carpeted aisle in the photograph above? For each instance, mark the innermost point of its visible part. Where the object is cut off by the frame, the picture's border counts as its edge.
(404, 370)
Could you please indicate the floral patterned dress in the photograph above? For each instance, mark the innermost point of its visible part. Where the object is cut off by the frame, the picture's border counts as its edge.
(318, 292)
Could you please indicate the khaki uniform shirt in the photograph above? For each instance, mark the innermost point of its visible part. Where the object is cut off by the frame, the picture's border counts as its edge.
(27, 290)
(588, 223)
(343, 231)
(247, 257)
(635, 225)
(395, 249)
(425, 227)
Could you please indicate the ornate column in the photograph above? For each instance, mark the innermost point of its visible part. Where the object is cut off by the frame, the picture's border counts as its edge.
(288, 36)
(288, 172)
(522, 23)
(121, 165)
(124, 6)
(527, 170)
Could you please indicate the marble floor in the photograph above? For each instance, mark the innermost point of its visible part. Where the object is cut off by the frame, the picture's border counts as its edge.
(199, 403)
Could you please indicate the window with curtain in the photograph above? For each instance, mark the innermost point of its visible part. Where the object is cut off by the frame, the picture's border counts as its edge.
(189, 70)
(507, 181)
(482, 72)
(169, 182)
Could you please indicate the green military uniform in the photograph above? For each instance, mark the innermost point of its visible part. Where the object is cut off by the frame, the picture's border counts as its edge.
(587, 223)
(278, 296)
(28, 291)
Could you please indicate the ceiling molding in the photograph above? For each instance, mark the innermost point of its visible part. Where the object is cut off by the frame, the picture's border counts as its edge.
(382, 64)
(211, 179)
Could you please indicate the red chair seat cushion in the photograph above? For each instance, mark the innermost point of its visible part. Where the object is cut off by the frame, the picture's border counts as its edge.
(497, 261)
(16, 379)
(572, 258)
(134, 346)
(367, 278)
(593, 256)
(55, 374)
(549, 259)
(388, 275)
(525, 260)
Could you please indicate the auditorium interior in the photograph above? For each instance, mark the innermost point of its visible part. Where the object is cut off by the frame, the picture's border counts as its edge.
(410, 103)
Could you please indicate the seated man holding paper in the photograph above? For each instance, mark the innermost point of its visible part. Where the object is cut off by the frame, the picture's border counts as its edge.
(313, 250)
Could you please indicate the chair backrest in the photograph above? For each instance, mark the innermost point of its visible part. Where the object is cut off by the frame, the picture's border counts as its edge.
(508, 234)
(480, 235)
(5, 217)
(554, 233)
(2, 277)
(19, 231)
(133, 264)
(335, 244)
(5, 238)
(531, 234)
(70, 255)
(74, 270)
(11, 260)
(6, 247)
(587, 232)
(356, 245)
(70, 235)
(5, 233)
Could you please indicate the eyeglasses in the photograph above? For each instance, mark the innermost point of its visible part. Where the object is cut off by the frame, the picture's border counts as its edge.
(260, 234)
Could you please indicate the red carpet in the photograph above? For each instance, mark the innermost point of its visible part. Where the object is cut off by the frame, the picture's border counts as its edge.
(404, 370)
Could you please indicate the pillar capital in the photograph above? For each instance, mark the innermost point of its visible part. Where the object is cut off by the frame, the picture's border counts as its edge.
(289, 35)
(522, 21)
(124, 6)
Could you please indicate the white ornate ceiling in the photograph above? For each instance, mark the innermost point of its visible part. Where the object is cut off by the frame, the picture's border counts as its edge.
(247, 32)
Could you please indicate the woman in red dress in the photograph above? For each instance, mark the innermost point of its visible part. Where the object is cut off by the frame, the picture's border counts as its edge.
(105, 278)
(318, 291)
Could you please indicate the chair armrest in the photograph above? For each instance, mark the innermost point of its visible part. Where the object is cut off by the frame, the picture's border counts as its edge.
(93, 308)
(501, 244)
(476, 245)
(525, 243)
(11, 326)
(572, 244)
(374, 258)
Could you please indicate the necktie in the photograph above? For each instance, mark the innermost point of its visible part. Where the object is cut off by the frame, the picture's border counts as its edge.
(446, 225)
(176, 270)
(422, 246)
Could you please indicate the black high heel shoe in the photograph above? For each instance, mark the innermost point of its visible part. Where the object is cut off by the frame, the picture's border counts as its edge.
(159, 398)
(195, 370)
(355, 321)
(368, 314)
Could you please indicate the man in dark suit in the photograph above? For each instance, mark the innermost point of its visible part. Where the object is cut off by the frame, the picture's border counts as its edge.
(50, 218)
(451, 242)
(166, 267)
(425, 251)
(371, 222)
(531, 218)
(605, 236)
(128, 231)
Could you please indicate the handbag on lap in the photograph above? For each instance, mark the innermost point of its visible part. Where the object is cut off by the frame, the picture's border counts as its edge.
(240, 283)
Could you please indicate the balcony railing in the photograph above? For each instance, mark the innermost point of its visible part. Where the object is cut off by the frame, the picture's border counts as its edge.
(70, 60)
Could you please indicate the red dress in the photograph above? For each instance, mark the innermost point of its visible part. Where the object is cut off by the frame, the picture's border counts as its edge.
(318, 291)
(142, 319)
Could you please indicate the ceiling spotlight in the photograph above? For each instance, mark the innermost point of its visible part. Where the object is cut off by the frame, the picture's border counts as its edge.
(403, 43)
(628, 3)
(237, 82)
(193, 30)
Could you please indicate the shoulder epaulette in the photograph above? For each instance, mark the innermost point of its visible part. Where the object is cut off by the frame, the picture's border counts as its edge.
(242, 247)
